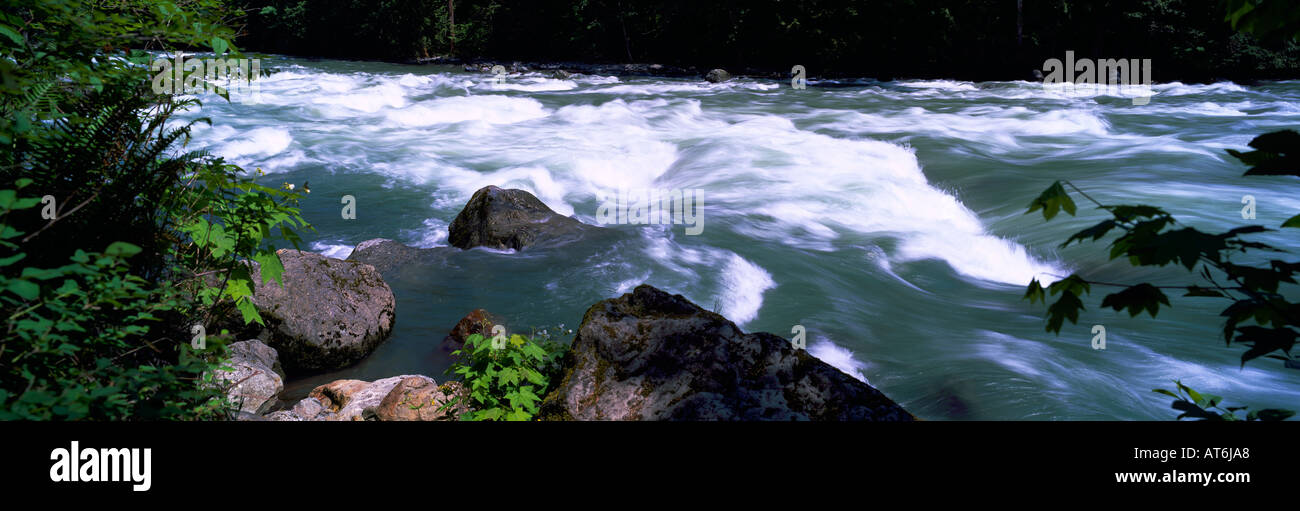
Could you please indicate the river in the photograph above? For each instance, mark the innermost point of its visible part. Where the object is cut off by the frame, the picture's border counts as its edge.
(886, 218)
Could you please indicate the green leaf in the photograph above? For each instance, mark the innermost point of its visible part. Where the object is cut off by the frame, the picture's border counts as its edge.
(12, 259)
(219, 46)
(508, 376)
(1136, 299)
(1051, 201)
(1095, 232)
(1195, 396)
(1034, 292)
(1067, 307)
(121, 249)
(249, 312)
(270, 266)
(24, 289)
(11, 34)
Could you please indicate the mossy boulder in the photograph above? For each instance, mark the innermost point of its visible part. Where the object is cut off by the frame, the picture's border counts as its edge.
(329, 314)
(650, 355)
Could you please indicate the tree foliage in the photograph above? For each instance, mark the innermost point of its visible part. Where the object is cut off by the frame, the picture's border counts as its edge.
(117, 245)
(979, 39)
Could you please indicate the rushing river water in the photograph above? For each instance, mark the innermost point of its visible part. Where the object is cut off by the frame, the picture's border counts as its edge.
(887, 218)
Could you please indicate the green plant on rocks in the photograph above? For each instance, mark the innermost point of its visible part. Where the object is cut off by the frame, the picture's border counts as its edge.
(506, 377)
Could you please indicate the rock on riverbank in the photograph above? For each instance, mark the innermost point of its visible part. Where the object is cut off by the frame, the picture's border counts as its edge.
(398, 398)
(649, 355)
(329, 313)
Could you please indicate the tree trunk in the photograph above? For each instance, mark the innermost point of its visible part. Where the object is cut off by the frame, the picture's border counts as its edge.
(451, 24)
(1020, 20)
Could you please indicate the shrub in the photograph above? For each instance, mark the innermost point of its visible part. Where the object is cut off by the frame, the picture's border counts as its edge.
(505, 378)
(153, 237)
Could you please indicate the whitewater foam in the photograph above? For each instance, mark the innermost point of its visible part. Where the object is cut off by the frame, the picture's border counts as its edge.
(838, 357)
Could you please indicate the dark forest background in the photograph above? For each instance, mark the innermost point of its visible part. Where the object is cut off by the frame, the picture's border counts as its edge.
(1187, 40)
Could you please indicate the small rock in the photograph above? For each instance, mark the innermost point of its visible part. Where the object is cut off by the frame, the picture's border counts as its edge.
(717, 76)
(309, 409)
(255, 374)
(478, 321)
(283, 416)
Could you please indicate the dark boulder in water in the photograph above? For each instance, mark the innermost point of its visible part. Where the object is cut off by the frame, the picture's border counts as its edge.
(649, 355)
(717, 76)
(511, 219)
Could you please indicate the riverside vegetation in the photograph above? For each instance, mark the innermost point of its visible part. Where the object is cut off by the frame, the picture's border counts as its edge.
(118, 245)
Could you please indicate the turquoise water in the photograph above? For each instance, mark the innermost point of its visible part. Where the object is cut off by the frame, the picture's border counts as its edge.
(884, 217)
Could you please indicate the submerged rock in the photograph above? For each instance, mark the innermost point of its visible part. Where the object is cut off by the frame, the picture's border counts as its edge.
(649, 355)
(511, 219)
(478, 321)
(717, 76)
(329, 313)
(384, 254)
(255, 376)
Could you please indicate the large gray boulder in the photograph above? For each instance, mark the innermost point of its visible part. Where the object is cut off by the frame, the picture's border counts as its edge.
(511, 219)
(649, 355)
(255, 377)
(329, 313)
